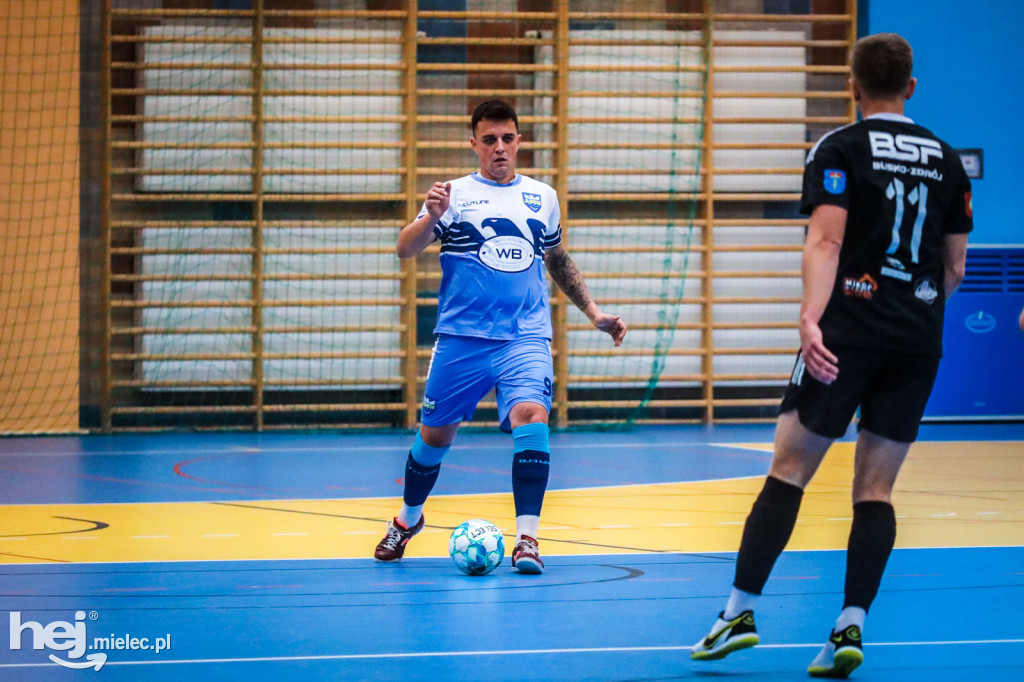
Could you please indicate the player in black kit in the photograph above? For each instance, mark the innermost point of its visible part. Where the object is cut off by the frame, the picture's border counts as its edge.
(890, 209)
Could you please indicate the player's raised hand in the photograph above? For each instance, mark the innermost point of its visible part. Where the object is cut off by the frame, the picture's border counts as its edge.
(611, 325)
(438, 199)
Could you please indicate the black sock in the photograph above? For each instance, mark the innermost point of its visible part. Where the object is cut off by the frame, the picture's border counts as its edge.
(766, 533)
(872, 537)
(529, 480)
(419, 481)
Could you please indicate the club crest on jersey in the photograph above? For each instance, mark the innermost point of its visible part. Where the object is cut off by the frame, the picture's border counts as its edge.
(864, 287)
(926, 290)
(532, 201)
(835, 181)
(507, 253)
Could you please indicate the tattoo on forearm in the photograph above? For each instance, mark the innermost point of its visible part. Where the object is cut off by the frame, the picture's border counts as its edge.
(568, 278)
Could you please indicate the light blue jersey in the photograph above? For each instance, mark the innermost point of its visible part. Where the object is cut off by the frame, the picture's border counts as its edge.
(493, 239)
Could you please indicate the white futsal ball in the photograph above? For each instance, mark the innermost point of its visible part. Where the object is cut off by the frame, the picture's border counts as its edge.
(476, 547)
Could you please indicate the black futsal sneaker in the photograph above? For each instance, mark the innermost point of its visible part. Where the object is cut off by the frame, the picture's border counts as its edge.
(526, 556)
(840, 655)
(392, 547)
(726, 636)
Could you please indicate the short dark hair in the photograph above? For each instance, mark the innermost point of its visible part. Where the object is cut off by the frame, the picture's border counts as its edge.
(882, 65)
(494, 110)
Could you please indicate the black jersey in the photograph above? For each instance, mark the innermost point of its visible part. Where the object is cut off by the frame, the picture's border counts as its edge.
(904, 190)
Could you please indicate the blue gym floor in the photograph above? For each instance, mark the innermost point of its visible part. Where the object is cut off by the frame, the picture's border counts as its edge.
(616, 602)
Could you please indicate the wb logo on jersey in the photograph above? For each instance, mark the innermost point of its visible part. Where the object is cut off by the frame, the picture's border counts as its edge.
(507, 253)
(532, 201)
(903, 147)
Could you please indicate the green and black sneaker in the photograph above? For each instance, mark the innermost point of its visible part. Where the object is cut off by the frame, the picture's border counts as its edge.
(840, 655)
(726, 637)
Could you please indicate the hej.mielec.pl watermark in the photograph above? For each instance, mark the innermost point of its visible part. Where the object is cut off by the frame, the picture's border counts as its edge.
(72, 638)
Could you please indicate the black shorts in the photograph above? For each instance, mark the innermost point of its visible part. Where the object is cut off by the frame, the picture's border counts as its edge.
(891, 390)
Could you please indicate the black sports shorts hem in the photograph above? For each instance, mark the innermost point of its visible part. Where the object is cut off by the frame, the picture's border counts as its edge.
(890, 388)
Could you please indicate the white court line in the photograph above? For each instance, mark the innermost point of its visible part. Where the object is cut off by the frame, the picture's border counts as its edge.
(646, 554)
(517, 652)
(284, 449)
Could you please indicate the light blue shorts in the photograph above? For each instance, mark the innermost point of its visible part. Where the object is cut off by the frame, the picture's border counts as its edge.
(463, 369)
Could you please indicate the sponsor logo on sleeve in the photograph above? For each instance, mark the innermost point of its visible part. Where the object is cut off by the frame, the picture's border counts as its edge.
(532, 201)
(968, 205)
(835, 181)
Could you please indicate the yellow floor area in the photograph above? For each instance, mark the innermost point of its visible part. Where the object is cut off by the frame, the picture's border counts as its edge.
(950, 494)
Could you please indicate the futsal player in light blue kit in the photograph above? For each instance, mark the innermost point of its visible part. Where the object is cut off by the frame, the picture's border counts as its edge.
(498, 231)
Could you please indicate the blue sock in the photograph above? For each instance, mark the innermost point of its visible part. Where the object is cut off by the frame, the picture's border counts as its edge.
(530, 466)
(421, 469)
(427, 455)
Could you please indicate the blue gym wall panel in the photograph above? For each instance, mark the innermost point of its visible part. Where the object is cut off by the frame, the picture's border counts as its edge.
(982, 370)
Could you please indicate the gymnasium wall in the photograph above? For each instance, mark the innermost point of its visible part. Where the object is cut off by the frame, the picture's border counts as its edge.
(968, 65)
(39, 211)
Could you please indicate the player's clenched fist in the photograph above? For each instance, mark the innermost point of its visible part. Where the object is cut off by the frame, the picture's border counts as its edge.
(438, 199)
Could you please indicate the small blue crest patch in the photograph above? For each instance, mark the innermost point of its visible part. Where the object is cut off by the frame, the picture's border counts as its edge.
(532, 201)
(835, 181)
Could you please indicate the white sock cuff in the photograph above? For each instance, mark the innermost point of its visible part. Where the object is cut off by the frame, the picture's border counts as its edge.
(527, 524)
(410, 516)
(739, 601)
(851, 615)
